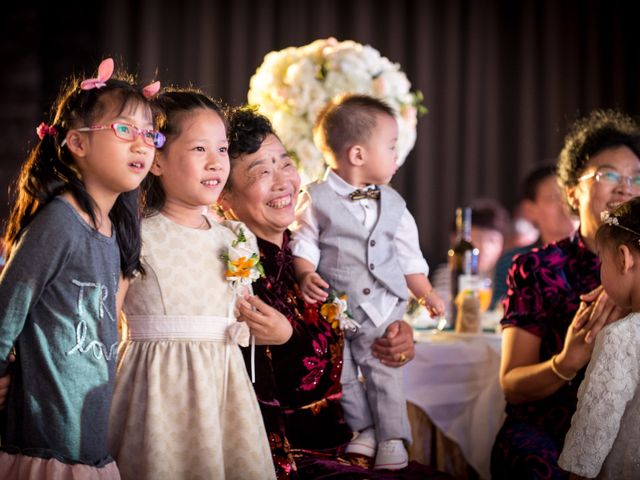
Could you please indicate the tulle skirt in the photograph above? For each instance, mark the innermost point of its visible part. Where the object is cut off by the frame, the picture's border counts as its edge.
(24, 467)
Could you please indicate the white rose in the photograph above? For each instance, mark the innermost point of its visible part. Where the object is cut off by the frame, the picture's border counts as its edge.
(371, 57)
(311, 160)
(289, 127)
(394, 83)
(342, 305)
(239, 251)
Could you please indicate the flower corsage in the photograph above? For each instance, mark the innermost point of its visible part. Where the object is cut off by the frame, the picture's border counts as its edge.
(243, 264)
(609, 219)
(334, 309)
(243, 267)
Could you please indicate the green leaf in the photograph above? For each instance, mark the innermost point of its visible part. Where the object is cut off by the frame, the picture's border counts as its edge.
(240, 238)
(418, 98)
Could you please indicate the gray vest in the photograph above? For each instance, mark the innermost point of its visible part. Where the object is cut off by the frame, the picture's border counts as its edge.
(353, 260)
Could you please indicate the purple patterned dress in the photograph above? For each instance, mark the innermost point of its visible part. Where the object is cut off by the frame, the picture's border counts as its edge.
(298, 384)
(543, 293)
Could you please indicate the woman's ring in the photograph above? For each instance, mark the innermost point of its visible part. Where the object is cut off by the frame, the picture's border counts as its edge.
(402, 358)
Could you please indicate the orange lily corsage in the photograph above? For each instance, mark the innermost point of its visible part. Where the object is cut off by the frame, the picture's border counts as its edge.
(241, 267)
(243, 264)
(334, 309)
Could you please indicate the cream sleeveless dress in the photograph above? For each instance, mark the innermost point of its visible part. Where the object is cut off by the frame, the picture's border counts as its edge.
(183, 406)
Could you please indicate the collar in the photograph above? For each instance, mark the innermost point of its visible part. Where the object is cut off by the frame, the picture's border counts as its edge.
(341, 187)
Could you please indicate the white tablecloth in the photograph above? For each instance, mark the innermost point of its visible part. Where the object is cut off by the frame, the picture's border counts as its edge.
(454, 380)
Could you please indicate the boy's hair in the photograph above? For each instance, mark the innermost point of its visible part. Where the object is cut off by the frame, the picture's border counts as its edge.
(621, 226)
(601, 130)
(172, 106)
(346, 121)
(50, 168)
(247, 130)
(533, 180)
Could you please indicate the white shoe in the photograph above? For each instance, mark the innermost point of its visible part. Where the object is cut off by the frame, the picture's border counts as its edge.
(364, 443)
(391, 455)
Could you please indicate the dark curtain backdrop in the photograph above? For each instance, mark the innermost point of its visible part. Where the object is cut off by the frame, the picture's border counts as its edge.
(501, 79)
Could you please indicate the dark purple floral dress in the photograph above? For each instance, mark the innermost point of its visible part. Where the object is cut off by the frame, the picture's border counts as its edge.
(298, 384)
(544, 288)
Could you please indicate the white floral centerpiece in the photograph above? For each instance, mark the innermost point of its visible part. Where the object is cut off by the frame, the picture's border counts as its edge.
(293, 85)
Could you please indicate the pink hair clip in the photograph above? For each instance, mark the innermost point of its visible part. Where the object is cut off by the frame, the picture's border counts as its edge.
(105, 70)
(44, 129)
(151, 89)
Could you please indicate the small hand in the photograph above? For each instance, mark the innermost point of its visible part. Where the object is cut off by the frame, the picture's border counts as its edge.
(434, 304)
(269, 326)
(312, 286)
(576, 351)
(396, 347)
(602, 311)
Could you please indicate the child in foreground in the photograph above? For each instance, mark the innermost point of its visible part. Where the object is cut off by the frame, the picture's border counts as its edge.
(603, 440)
(183, 405)
(73, 231)
(354, 234)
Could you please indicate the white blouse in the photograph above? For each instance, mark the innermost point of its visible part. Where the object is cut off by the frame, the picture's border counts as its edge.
(604, 439)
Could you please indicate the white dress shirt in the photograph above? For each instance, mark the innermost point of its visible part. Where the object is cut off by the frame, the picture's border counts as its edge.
(304, 243)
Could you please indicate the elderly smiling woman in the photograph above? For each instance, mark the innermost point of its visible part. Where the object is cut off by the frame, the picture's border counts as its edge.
(298, 369)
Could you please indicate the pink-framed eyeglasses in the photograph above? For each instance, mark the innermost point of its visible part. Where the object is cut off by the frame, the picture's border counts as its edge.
(129, 133)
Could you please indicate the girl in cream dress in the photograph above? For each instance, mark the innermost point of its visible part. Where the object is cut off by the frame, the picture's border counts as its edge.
(184, 407)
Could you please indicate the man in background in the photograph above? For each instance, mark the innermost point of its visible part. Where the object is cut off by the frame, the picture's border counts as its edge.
(543, 203)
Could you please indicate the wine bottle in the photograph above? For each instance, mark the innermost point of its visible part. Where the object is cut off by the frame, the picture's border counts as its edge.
(463, 258)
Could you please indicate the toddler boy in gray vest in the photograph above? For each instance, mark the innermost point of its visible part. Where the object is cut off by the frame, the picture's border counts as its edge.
(354, 234)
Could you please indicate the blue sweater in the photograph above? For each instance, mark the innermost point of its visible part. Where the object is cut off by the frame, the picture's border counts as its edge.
(57, 307)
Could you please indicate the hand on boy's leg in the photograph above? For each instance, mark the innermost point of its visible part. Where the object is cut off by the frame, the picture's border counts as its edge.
(396, 347)
(313, 288)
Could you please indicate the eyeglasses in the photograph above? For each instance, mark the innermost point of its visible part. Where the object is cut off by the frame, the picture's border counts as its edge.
(611, 177)
(127, 132)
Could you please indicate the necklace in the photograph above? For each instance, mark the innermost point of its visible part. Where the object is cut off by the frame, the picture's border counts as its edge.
(204, 225)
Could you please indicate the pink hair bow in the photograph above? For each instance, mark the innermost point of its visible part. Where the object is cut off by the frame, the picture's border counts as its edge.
(151, 89)
(105, 70)
(44, 129)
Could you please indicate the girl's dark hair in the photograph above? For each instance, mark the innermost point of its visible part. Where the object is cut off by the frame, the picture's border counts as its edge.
(50, 169)
(622, 226)
(247, 130)
(172, 104)
(601, 130)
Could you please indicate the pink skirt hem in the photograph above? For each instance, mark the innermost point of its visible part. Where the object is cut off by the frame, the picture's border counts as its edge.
(23, 467)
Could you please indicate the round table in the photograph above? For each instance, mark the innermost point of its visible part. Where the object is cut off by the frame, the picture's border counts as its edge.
(454, 380)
